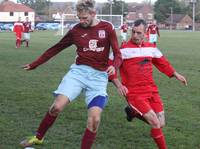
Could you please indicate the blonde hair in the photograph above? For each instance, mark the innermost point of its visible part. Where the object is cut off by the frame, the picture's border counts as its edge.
(85, 5)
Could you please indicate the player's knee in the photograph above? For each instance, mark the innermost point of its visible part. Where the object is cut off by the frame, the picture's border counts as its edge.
(55, 110)
(152, 119)
(162, 124)
(155, 123)
(93, 123)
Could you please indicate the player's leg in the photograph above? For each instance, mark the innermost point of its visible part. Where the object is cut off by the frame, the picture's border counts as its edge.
(27, 39)
(157, 106)
(67, 91)
(131, 113)
(143, 105)
(156, 132)
(95, 109)
(18, 40)
(60, 102)
(96, 99)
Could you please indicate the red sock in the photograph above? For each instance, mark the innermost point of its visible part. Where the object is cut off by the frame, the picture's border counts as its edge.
(18, 43)
(88, 139)
(157, 135)
(46, 123)
(26, 43)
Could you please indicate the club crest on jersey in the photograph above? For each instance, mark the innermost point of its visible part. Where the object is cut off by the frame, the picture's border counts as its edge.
(102, 34)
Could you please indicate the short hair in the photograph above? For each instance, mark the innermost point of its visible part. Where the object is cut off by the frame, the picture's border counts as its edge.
(85, 5)
(140, 22)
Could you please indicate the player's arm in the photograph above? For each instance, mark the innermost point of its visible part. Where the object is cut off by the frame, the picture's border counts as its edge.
(65, 42)
(115, 48)
(180, 77)
(163, 65)
(158, 32)
(122, 90)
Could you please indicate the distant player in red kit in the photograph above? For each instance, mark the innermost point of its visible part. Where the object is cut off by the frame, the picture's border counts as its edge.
(137, 83)
(27, 29)
(124, 32)
(153, 33)
(18, 29)
(93, 39)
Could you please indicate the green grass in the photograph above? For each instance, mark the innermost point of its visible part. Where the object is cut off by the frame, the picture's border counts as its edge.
(26, 96)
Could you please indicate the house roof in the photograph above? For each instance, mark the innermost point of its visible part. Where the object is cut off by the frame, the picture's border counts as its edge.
(9, 6)
(140, 7)
(176, 18)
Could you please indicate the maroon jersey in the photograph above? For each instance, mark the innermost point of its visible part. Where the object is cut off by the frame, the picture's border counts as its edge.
(153, 29)
(124, 28)
(93, 46)
(27, 27)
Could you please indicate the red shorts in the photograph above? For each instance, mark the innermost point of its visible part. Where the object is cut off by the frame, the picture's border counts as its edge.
(143, 103)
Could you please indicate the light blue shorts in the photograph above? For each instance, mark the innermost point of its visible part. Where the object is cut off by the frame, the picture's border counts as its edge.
(153, 38)
(26, 36)
(82, 78)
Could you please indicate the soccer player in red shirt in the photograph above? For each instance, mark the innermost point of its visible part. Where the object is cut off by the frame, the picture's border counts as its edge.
(89, 74)
(18, 29)
(27, 29)
(153, 32)
(137, 83)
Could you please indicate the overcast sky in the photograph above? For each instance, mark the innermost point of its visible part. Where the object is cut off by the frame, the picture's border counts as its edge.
(97, 0)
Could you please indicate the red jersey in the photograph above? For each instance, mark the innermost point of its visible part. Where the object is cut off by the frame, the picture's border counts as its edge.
(136, 70)
(93, 46)
(27, 27)
(153, 29)
(18, 27)
(124, 28)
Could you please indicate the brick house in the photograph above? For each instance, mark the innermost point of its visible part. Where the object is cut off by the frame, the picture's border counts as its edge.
(136, 11)
(179, 21)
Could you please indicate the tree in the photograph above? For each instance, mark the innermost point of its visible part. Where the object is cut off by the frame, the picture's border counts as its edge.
(40, 6)
(118, 7)
(162, 9)
(197, 11)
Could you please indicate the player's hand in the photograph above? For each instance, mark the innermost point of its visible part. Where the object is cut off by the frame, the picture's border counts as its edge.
(111, 70)
(122, 90)
(180, 78)
(26, 67)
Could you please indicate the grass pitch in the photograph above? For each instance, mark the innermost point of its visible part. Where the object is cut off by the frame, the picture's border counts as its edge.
(26, 96)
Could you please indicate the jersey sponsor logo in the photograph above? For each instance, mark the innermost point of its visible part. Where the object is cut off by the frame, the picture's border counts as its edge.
(93, 46)
(102, 34)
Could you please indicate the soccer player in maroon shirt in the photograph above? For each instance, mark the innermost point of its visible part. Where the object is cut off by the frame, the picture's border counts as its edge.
(93, 39)
(124, 32)
(27, 29)
(18, 29)
(138, 85)
(153, 32)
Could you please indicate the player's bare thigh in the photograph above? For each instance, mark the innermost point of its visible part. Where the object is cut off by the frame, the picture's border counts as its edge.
(161, 118)
(152, 119)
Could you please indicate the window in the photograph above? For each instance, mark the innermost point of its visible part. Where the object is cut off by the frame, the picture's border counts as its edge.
(150, 16)
(25, 13)
(140, 15)
(11, 14)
